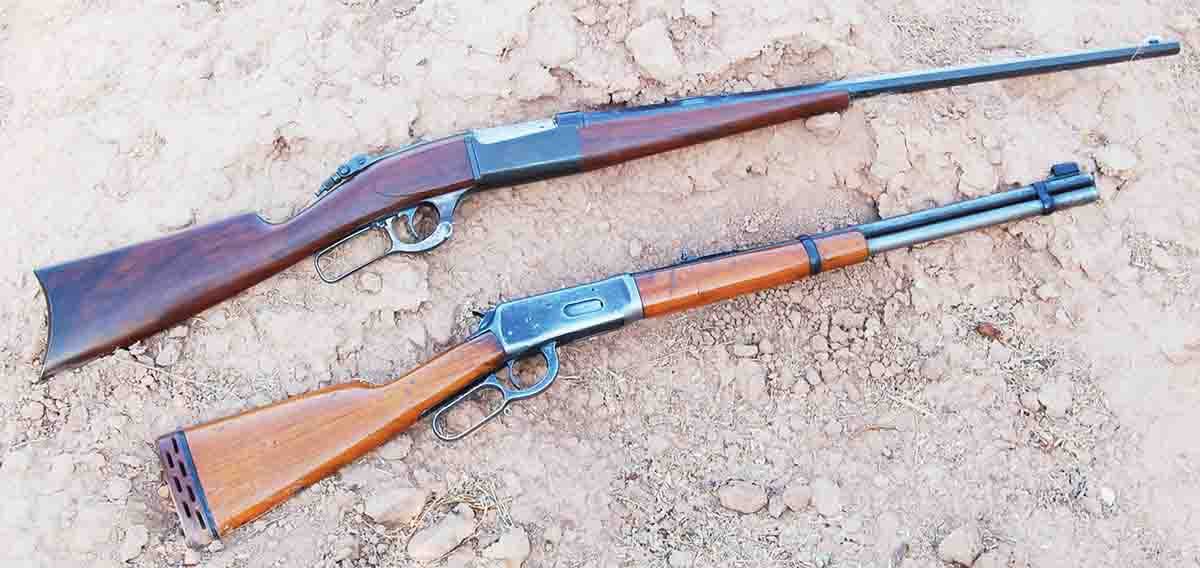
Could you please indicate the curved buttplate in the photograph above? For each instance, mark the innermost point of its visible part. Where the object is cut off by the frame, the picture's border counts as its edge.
(507, 394)
(412, 242)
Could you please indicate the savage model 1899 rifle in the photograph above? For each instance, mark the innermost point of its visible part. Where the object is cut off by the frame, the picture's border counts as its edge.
(111, 300)
(225, 473)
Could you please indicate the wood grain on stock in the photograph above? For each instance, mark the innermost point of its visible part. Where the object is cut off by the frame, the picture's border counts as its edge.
(99, 303)
(672, 289)
(615, 141)
(250, 462)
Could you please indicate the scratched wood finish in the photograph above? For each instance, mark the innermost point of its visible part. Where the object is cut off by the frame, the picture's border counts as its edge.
(642, 134)
(110, 300)
(673, 289)
(250, 462)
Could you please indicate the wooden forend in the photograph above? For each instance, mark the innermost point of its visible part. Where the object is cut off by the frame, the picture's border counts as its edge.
(672, 289)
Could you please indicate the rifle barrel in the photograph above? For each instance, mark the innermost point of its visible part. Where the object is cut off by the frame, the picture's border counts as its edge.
(987, 218)
(968, 74)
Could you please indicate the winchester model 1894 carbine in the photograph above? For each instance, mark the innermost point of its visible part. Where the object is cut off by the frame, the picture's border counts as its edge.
(107, 301)
(225, 473)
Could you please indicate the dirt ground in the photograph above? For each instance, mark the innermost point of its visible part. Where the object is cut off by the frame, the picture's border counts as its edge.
(857, 419)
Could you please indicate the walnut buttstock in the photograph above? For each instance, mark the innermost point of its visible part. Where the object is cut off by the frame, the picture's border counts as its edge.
(113, 299)
(225, 473)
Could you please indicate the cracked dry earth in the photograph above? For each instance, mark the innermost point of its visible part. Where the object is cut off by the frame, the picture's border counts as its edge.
(1022, 396)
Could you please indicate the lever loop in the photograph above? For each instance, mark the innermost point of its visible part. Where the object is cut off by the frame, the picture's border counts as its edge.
(507, 395)
(445, 205)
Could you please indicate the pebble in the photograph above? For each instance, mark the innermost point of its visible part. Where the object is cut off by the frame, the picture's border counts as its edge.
(118, 489)
(163, 492)
(751, 380)
(742, 496)
(1029, 401)
(136, 538)
(825, 126)
(962, 546)
(827, 497)
(812, 377)
(168, 354)
(345, 548)
(190, 557)
(1057, 398)
(511, 550)
(435, 541)
(1108, 497)
(178, 332)
(680, 559)
(635, 248)
(216, 546)
(766, 347)
(651, 47)
(797, 496)
(776, 506)
(745, 350)
(397, 448)
(34, 410)
(396, 507)
(369, 283)
(878, 370)
(1163, 260)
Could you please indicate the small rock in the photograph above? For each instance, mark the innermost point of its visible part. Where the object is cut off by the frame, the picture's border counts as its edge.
(397, 448)
(825, 126)
(680, 559)
(742, 496)
(1117, 161)
(812, 377)
(396, 507)
(998, 354)
(962, 546)
(190, 557)
(34, 410)
(118, 488)
(1108, 497)
(435, 541)
(345, 548)
(751, 380)
(178, 332)
(136, 538)
(766, 347)
(216, 546)
(745, 350)
(701, 10)
(1057, 398)
(168, 354)
(1029, 401)
(651, 47)
(369, 283)
(1092, 505)
(776, 506)
(798, 496)
(1163, 260)
(511, 550)
(635, 248)
(164, 492)
(827, 497)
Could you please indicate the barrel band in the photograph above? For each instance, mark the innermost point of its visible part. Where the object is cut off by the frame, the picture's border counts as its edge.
(814, 255)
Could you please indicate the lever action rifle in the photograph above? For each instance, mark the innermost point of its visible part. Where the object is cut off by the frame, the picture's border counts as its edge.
(111, 300)
(224, 473)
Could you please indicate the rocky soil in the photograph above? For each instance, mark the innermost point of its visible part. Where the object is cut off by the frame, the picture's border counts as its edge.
(1022, 396)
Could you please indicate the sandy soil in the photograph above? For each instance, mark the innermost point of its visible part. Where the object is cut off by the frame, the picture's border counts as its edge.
(858, 419)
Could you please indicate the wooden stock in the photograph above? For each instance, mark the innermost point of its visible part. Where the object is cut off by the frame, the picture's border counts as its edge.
(672, 289)
(99, 303)
(639, 134)
(246, 464)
